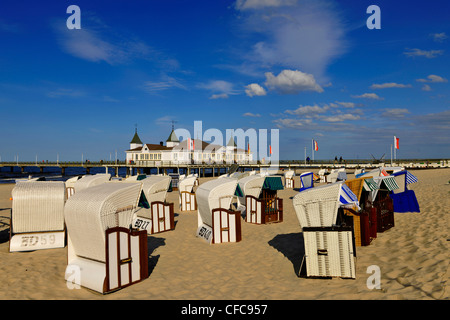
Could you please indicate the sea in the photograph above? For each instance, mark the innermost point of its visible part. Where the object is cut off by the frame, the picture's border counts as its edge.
(54, 173)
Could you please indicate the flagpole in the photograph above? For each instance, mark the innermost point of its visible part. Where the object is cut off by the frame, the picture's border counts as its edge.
(391, 154)
(312, 145)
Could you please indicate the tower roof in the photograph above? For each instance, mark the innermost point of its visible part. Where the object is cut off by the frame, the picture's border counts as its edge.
(231, 142)
(172, 137)
(136, 138)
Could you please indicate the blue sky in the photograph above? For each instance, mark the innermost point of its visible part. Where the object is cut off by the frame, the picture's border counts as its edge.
(312, 69)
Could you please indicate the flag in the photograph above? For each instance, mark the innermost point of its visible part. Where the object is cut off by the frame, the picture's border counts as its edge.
(248, 148)
(270, 149)
(191, 144)
(316, 145)
(396, 143)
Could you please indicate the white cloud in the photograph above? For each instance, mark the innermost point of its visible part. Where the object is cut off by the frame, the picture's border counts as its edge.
(395, 113)
(165, 83)
(423, 53)
(341, 117)
(426, 87)
(255, 89)
(439, 37)
(219, 96)
(259, 4)
(308, 110)
(292, 123)
(307, 36)
(432, 78)
(346, 104)
(292, 82)
(253, 115)
(389, 85)
(369, 96)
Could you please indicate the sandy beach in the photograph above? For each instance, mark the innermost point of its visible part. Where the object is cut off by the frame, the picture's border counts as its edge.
(413, 258)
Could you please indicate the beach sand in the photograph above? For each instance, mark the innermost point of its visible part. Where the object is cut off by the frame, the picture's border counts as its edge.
(412, 257)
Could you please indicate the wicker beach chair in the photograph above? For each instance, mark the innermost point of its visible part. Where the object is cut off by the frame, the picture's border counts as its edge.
(323, 175)
(382, 201)
(306, 181)
(262, 205)
(363, 222)
(37, 216)
(88, 181)
(337, 175)
(104, 254)
(217, 223)
(329, 246)
(187, 195)
(154, 214)
(289, 179)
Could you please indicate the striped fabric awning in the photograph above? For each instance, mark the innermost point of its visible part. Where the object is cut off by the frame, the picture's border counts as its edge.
(370, 184)
(390, 183)
(346, 196)
(410, 178)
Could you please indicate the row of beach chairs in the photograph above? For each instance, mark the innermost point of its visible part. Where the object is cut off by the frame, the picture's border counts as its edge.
(105, 222)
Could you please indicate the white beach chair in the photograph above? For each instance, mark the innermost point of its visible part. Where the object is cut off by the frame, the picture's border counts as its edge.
(329, 248)
(90, 181)
(104, 254)
(70, 185)
(154, 214)
(216, 222)
(323, 174)
(259, 194)
(289, 179)
(187, 194)
(37, 216)
(337, 175)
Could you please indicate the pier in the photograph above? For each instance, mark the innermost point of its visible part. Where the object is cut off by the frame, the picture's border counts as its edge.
(219, 168)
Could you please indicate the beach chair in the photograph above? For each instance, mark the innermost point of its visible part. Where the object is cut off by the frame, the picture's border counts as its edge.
(88, 181)
(382, 201)
(217, 223)
(187, 195)
(154, 214)
(329, 246)
(306, 181)
(104, 254)
(37, 216)
(289, 179)
(70, 185)
(364, 221)
(262, 205)
(404, 199)
(337, 175)
(323, 175)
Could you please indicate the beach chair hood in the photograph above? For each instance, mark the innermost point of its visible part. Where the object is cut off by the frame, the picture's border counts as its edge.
(318, 207)
(187, 183)
(90, 212)
(155, 188)
(91, 180)
(217, 193)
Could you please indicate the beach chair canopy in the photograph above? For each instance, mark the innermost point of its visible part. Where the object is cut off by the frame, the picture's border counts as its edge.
(251, 186)
(289, 174)
(217, 193)
(154, 188)
(403, 179)
(318, 207)
(90, 212)
(306, 180)
(187, 183)
(38, 206)
(91, 180)
(386, 183)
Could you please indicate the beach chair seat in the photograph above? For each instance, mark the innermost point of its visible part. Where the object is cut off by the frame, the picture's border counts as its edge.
(104, 254)
(329, 252)
(37, 216)
(187, 198)
(154, 214)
